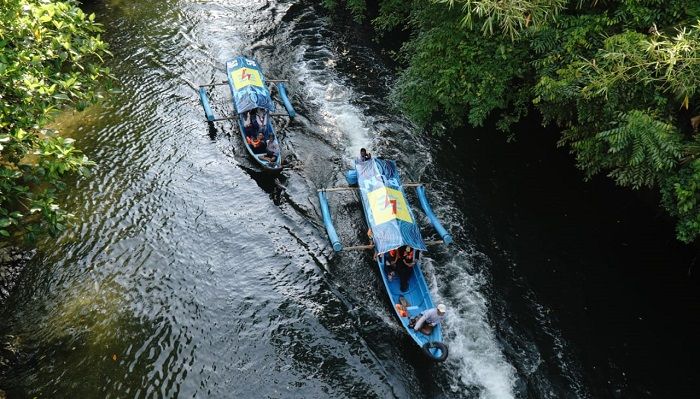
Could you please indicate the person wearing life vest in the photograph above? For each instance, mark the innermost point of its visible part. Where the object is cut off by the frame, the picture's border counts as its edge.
(392, 258)
(257, 144)
(404, 265)
(394, 255)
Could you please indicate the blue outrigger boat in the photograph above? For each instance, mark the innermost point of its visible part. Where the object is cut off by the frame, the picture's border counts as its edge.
(250, 93)
(393, 225)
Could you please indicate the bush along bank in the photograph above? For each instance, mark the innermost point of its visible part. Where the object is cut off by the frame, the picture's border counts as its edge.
(50, 60)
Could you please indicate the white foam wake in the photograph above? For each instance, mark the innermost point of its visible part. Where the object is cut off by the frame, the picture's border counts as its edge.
(474, 350)
(475, 354)
(337, 118)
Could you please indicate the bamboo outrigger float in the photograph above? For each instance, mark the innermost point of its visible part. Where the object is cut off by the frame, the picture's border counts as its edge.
(393, 225)
(250, 92)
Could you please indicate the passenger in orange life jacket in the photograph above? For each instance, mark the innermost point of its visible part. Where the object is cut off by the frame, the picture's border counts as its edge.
(258, 144)
(391, 258)
(404, 265)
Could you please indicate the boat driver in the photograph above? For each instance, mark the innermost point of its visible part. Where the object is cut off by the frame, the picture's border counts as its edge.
(273, 150)
(430, 318)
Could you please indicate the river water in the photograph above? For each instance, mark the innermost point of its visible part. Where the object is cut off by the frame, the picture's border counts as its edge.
(190, 274)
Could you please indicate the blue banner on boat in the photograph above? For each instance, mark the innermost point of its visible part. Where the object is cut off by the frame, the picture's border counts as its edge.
(387, 211)
(247, 85)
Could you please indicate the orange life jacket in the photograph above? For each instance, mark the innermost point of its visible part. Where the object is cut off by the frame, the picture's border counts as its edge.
(394, 255)
(254, 142)
(402, 311)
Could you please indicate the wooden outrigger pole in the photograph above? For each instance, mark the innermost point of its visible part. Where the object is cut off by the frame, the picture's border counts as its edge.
(204, 99)
(371, 246)
(422, 198)
(351, 188)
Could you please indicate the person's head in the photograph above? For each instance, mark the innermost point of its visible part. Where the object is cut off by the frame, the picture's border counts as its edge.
(441, 308)
(408, 250)
(363, 152)
(261, 136)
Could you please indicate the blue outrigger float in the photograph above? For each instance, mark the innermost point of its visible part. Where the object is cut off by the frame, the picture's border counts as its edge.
(392, 226)
(250, 92)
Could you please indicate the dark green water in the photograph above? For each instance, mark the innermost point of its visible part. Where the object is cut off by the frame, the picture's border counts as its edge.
(189, 274)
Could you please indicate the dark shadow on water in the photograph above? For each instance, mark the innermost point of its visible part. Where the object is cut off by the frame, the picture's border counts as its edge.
(211, 127)
(603, 262)
(271, 183)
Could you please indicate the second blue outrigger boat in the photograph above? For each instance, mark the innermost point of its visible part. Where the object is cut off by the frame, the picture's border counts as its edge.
(393, 225)
(250, 93)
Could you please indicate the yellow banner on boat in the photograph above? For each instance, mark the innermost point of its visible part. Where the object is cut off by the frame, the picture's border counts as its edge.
(388, 204)
(246, 77)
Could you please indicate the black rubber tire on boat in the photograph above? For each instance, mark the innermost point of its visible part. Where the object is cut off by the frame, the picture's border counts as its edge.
(437, 345)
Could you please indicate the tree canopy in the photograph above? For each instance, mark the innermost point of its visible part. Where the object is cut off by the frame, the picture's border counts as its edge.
(620, 78)
(50, 59)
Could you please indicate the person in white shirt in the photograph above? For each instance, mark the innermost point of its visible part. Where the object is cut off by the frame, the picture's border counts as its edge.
(430, 318)
(273, 150)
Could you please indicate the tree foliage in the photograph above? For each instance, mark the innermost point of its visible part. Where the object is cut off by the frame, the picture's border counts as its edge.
(50, 59)
(619, 77)
(511, 16)
(680, 196)
(636, 151)
(357, 8)
(440, 59)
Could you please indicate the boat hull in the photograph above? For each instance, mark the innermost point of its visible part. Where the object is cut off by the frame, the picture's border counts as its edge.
(418, 300)
(249, 91)
(267, 166)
